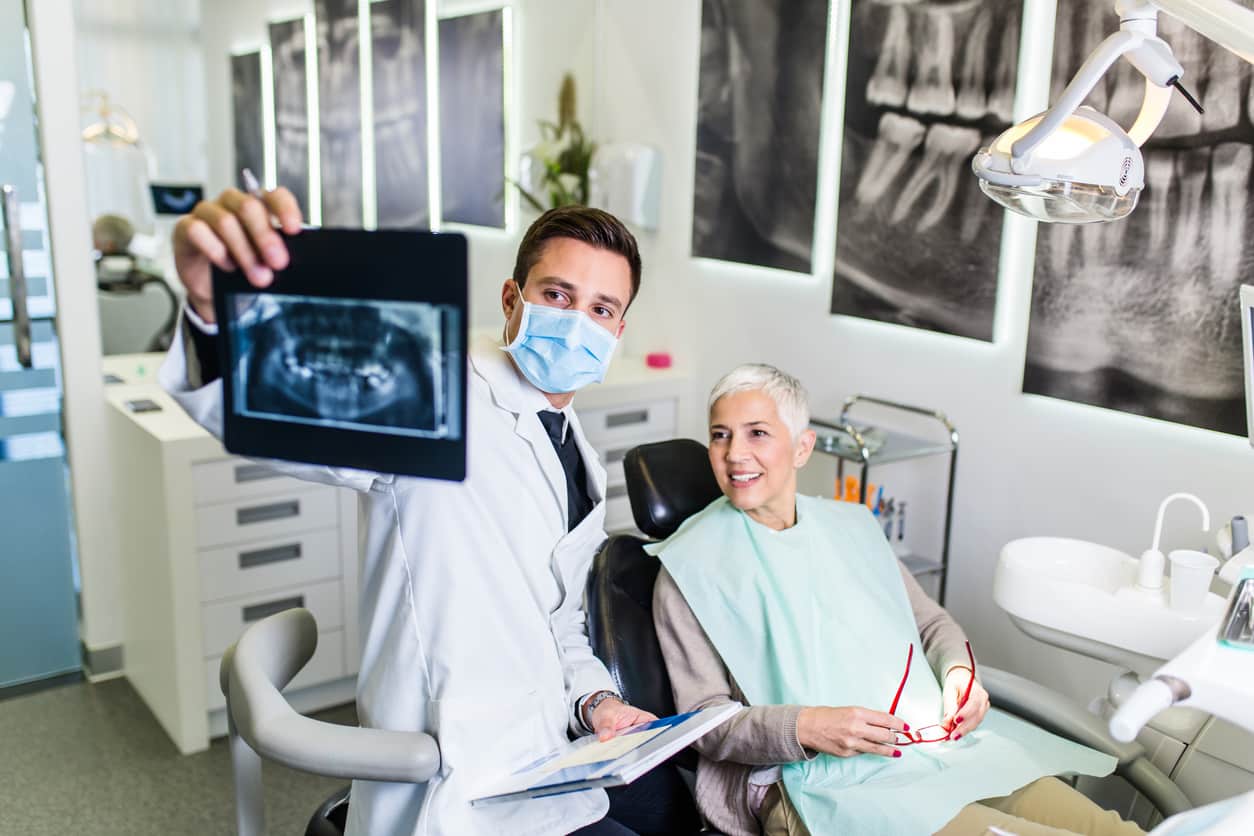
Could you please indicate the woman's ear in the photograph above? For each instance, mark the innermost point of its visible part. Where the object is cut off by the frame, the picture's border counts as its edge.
(805, 446)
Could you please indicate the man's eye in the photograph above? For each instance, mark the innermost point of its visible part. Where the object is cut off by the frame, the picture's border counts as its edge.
(760, 432)
(602, 312)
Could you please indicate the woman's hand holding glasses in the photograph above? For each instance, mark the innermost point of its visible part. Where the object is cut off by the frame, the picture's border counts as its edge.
(849, 730)
(963, 717)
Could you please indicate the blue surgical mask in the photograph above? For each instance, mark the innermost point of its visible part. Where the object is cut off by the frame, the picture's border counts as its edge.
(560, 351)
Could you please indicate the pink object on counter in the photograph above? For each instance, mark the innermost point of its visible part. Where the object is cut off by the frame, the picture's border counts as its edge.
(658, 360)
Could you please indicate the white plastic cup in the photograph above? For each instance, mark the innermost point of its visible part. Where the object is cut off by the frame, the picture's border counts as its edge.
(1191, 573)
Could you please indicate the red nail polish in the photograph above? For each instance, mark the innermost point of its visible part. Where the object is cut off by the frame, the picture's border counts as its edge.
(957, 721)
(906, 727)
(897, 753)
(957, 737)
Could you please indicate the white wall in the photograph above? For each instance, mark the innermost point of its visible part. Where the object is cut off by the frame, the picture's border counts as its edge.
(1028, 465)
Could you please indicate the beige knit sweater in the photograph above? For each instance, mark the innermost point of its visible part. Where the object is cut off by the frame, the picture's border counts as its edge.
(761, 735)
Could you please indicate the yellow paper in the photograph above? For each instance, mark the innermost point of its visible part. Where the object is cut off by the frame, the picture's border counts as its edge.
(607, 751)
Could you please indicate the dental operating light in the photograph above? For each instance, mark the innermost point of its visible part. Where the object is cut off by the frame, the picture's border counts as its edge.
(1074, 164)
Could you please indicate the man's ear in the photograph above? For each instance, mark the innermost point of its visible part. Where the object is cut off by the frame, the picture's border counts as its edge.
(509, 297)
(622, 323)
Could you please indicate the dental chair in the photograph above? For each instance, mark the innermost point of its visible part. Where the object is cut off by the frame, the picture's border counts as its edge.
(669, 481)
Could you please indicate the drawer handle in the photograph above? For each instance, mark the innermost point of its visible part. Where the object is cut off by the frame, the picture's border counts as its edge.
(261, 557)
(259, 611)
(623, 419)
(616, 491)
(267, 513)
(253, 473)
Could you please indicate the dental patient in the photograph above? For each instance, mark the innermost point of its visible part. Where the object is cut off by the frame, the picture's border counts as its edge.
(865, 714)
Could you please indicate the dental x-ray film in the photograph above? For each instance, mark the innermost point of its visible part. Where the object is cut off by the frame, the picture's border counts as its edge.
(353, 357)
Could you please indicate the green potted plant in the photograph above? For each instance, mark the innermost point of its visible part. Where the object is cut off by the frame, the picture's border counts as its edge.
(556, 170)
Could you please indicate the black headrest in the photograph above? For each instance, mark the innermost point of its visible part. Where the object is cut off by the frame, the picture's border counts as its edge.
(668, 482)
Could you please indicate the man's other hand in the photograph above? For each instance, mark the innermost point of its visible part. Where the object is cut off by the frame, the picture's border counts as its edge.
(613, 715)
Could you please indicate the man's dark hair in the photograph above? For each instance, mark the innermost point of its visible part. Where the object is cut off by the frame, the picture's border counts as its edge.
(592, 226)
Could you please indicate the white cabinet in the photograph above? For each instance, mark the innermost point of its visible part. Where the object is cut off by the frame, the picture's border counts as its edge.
(635, 405)
(211, 543)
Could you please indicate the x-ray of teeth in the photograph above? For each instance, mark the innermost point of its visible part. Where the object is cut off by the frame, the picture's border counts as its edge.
(291, 108)
(927, 84)
(759, 110)
(246, 114)
(1141, 315)
(472, 119)
(339, 111)
(354, 364)
(399, 64)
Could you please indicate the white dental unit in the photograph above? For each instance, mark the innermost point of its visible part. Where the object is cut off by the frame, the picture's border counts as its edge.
(1216, 672)
(1181, 646)
(1186, 692)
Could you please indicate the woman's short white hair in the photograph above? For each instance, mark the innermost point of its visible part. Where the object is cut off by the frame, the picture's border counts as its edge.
(789, 395)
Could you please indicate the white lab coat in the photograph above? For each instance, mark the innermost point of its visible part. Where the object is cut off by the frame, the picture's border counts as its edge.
(472, 618)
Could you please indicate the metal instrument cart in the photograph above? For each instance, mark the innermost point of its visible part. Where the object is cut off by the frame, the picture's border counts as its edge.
(896, 447)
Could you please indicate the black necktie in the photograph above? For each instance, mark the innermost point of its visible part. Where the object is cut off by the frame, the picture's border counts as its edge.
(578, 503)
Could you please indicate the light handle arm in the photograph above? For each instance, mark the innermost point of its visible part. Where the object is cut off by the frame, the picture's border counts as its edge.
(1094, 67)
(1148, 53)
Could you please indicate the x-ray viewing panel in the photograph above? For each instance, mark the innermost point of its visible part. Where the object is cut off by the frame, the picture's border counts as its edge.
(354, 356)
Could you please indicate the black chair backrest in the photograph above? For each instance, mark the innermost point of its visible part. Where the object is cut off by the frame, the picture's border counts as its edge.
(667, 482)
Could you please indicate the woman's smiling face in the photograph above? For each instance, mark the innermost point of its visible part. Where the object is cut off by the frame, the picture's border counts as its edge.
(755, 458)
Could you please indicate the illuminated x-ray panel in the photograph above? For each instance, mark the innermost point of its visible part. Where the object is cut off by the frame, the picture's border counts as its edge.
(399, 68)
(927, 84)
(472, 119)
(291, 108)
(759, 110)
(339, 112)
(1140, 315)
(247, 116)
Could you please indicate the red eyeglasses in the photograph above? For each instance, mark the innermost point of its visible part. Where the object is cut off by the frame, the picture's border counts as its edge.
(934, 733)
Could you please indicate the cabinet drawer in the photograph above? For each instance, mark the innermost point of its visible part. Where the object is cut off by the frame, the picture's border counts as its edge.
(266, 517)
(326, 665)
(224, 621)
(224, 480)
(612, 457)
(618, 515)
(607, 426)
(269, 564)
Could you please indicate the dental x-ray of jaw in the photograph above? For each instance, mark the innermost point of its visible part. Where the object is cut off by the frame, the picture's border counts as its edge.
(351, 363)
(291, 108)
(1138, 315)
(927, 84)
(353, 357)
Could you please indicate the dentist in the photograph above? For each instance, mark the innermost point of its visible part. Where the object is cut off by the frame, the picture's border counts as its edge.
(472, 619)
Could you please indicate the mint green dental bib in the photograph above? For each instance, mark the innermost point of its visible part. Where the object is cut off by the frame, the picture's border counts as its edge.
(817, 614)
